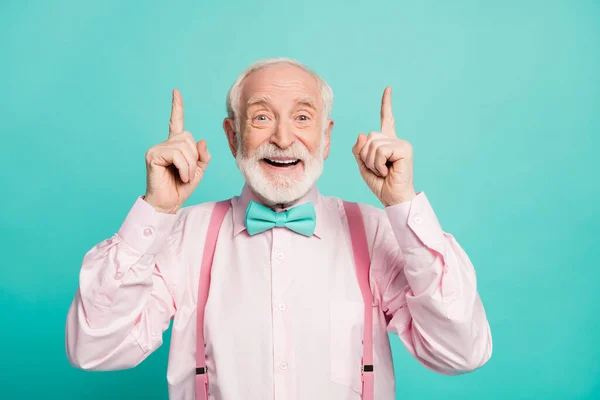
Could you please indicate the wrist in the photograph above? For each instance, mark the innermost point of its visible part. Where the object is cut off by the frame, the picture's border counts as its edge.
(161, 210)
(400, 198)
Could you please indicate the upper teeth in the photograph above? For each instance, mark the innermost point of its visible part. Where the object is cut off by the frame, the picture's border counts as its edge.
(283, 161)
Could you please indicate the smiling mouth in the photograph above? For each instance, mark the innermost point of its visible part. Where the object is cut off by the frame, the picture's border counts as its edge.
(281, 163)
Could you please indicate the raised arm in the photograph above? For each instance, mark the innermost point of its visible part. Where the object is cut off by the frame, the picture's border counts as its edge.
(428, 290)
(126, 296)
(125, 299)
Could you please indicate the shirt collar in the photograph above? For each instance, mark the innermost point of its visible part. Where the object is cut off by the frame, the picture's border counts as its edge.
(240, 203)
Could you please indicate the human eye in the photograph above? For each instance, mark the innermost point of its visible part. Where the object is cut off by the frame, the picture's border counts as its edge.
(261, 119)
(303, 117)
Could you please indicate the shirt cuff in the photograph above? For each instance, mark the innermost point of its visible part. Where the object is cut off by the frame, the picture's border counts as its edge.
(145, 229)
(414, 223)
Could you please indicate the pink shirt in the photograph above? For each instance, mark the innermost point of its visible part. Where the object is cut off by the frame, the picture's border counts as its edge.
(284, 315)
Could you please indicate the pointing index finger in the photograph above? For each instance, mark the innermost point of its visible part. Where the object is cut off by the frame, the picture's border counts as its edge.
(387, 116)
(176, 122)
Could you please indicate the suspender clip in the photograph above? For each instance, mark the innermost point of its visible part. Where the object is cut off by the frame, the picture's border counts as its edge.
(201, 370)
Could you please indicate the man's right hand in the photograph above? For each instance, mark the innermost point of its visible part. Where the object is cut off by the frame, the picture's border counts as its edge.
(175, 167)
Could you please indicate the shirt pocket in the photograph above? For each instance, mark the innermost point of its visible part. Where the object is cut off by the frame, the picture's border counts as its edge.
(346, 320)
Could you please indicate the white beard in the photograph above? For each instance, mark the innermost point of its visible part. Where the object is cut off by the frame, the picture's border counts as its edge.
(284, 189)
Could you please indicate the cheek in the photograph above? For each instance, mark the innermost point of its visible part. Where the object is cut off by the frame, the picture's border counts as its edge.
(253, 139)
(311, 142)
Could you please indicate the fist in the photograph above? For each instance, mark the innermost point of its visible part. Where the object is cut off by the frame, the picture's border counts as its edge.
(386, 161)
(175, 167)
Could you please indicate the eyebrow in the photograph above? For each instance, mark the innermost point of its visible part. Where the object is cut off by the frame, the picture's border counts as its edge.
(265, 99)
(307, 101)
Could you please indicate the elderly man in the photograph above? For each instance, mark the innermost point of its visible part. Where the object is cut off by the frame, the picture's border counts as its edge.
(267, 291)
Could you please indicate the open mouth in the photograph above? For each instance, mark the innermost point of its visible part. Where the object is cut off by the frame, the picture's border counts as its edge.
(281, 163)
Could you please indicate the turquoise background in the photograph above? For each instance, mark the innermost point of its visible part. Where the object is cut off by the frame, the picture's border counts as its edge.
(501, 101)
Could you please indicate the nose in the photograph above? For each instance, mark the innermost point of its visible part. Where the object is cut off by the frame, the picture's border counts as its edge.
(283, 137)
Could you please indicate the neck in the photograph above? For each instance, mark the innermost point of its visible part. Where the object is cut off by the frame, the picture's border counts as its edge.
(277, 207)
(280, 207)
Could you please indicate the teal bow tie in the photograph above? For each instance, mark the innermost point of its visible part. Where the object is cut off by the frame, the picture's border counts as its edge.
(299, 219)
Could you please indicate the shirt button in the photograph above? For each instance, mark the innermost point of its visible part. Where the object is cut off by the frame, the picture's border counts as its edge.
(282, 307)
(418, 220)
(118, 275)
(147, 232)
(283, 365)
(280, 256)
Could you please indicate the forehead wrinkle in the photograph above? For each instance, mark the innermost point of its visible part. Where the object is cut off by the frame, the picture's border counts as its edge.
(259, 98)
(257, 90)
(282, 84)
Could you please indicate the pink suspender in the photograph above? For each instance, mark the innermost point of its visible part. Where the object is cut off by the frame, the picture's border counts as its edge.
(361, 261)
(214, 225)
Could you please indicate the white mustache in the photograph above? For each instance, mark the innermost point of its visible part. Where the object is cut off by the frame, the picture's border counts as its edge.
(295, 151)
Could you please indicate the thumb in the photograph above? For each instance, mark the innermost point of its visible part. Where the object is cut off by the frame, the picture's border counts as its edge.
(203, 154)
(360, 143)
(356, 149)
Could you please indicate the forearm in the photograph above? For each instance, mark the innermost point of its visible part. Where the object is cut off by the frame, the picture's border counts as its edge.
(123, 303)
(448, 329)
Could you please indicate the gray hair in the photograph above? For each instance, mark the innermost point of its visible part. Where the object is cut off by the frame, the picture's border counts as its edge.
(234, 94)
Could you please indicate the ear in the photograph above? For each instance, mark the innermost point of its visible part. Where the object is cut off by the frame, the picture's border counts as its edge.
(229, 128)
(327, 138)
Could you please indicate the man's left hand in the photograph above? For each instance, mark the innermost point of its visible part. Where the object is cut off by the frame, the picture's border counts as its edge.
(386, 161)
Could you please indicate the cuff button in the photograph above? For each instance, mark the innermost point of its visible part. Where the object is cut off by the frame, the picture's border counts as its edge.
(147, 232)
